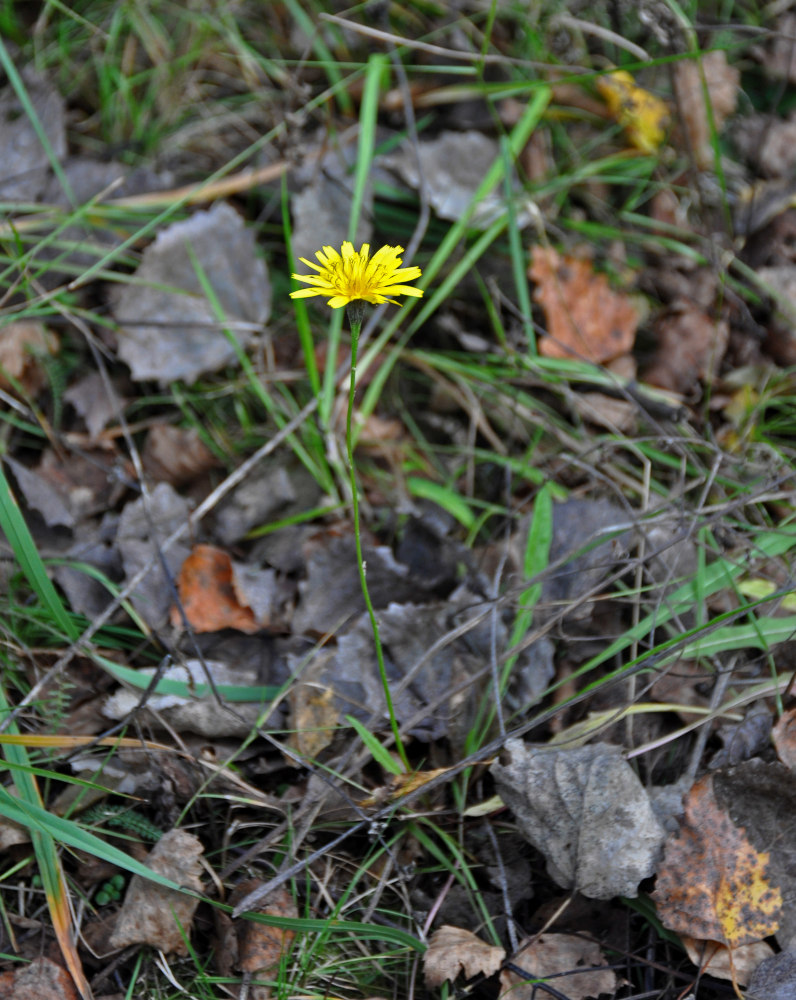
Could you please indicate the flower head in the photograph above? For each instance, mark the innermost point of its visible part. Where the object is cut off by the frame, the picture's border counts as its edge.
(350, 275)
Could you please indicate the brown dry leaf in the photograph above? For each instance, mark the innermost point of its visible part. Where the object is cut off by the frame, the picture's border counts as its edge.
(22, 346)
(722, 81)
(453, 951)
(154, 914)
(643, 116)
(715, 958)
(207, 593)
(617, 415)
(563, 957)
(584, 317)
(691, 345)
(712, 884)
(260, 947)
(314, 714)
(43, 979)
(176, 455)
(783, 736)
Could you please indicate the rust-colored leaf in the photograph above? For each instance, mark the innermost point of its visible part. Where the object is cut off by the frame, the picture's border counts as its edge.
(207, 591)
(260, 949)
(712, 884)
(453, 951)
(584, 317)
(43, 979)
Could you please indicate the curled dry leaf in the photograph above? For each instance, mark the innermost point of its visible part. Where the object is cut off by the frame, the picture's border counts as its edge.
(784, 737)
(575, 965)
(453, 951)
(207, 592)
(584, 317)
(154, 914)
(587, 812)
(713, 884)
(717, 960)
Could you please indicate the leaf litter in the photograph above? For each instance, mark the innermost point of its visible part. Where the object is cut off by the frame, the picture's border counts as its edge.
(284, 612)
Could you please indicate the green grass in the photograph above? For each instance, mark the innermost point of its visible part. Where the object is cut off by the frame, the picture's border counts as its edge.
(489, 436)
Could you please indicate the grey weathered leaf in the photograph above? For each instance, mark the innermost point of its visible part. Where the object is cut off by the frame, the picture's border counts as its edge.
(169, 327)
(587, 812)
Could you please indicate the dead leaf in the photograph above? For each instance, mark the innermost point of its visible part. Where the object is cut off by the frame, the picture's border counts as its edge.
(617, 415)
(197, 715)
(176, 455)
(207, 593)
(451, 166)
(261, 948)
(314, 715)
(713, 885)
(332, 592)
(142, 529)
(22, 346)
(91, 401)
(323, 204)
(716, 959)
(721, 81)
(167, 335)
(154, 914)
(761, 798)
(774, 978)
(453, 951)
(783, 736)
(24, 161)
(586, 811)
(584, 317)
(67, 490)
(691, 345)
(643, 116)
(560, 958)
(43, 979)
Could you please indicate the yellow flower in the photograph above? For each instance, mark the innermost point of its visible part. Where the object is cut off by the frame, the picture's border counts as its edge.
(350, 275)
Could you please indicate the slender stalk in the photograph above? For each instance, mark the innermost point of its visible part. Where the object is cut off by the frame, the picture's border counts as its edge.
(355, 318)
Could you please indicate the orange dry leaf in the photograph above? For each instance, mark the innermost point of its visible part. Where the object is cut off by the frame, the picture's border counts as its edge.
(261, 948)
(453, 950)
(584, 317)
(712, 884)
(207, 592)
(642, 115)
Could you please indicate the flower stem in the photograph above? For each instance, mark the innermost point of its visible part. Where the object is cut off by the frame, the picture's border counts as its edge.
(356, 326)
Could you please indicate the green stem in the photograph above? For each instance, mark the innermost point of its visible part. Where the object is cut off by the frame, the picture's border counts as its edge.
(356, 326)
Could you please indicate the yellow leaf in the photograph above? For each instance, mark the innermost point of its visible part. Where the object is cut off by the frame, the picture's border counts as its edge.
(642, 115)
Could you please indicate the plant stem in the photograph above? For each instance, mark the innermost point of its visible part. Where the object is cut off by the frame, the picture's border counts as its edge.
(356, 326)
